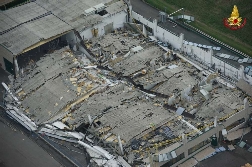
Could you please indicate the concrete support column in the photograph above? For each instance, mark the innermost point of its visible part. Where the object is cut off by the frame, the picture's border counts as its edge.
(192, 52)
(120, 145)
(241, 72)
(181, 39)
(154, 28)
(16, 65)
(215, 121)
(217, 135)
(184, 140)
(211, 53)
(144, 31)
(130, 13)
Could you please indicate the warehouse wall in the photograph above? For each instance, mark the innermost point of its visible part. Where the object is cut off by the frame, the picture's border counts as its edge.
(176, 40)
(4, 53)
(117, 20)
(204, 57)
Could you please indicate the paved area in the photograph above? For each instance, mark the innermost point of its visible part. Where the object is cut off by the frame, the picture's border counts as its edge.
(16, 149)
(235, 158)
(248, 138)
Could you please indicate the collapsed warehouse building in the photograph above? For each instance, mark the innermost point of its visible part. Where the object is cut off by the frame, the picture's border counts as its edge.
(136, 99)
(119, 95)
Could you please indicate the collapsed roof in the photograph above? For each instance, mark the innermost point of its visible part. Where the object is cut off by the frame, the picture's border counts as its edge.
(145, 97)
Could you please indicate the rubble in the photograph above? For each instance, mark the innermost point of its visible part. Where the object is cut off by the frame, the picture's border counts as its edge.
(133, 100)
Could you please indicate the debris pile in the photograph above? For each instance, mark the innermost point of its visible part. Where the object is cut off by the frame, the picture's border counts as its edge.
(136, 100)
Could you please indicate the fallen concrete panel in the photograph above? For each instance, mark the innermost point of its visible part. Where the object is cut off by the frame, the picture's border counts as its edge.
(204, 153)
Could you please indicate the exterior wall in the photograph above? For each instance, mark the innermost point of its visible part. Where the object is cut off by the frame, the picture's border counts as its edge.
(204, 57)
(143, 20)
(159, 32)
(118, 20)
(164, 35)
(4, 53)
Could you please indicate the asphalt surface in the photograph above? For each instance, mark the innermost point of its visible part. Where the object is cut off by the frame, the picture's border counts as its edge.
(234, 158)
(16, 149)
(66, 154)
(20, 148)
(150, 13)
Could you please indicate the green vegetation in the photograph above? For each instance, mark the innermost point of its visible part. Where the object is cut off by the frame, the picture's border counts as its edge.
(209, 18)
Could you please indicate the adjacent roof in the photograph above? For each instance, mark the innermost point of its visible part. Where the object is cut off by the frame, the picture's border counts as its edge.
(6, 22)
(72, 12)
(26, 12)
(245, 87)
(47, 26)
(18, 39)
(25, 35)
(31, 23)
